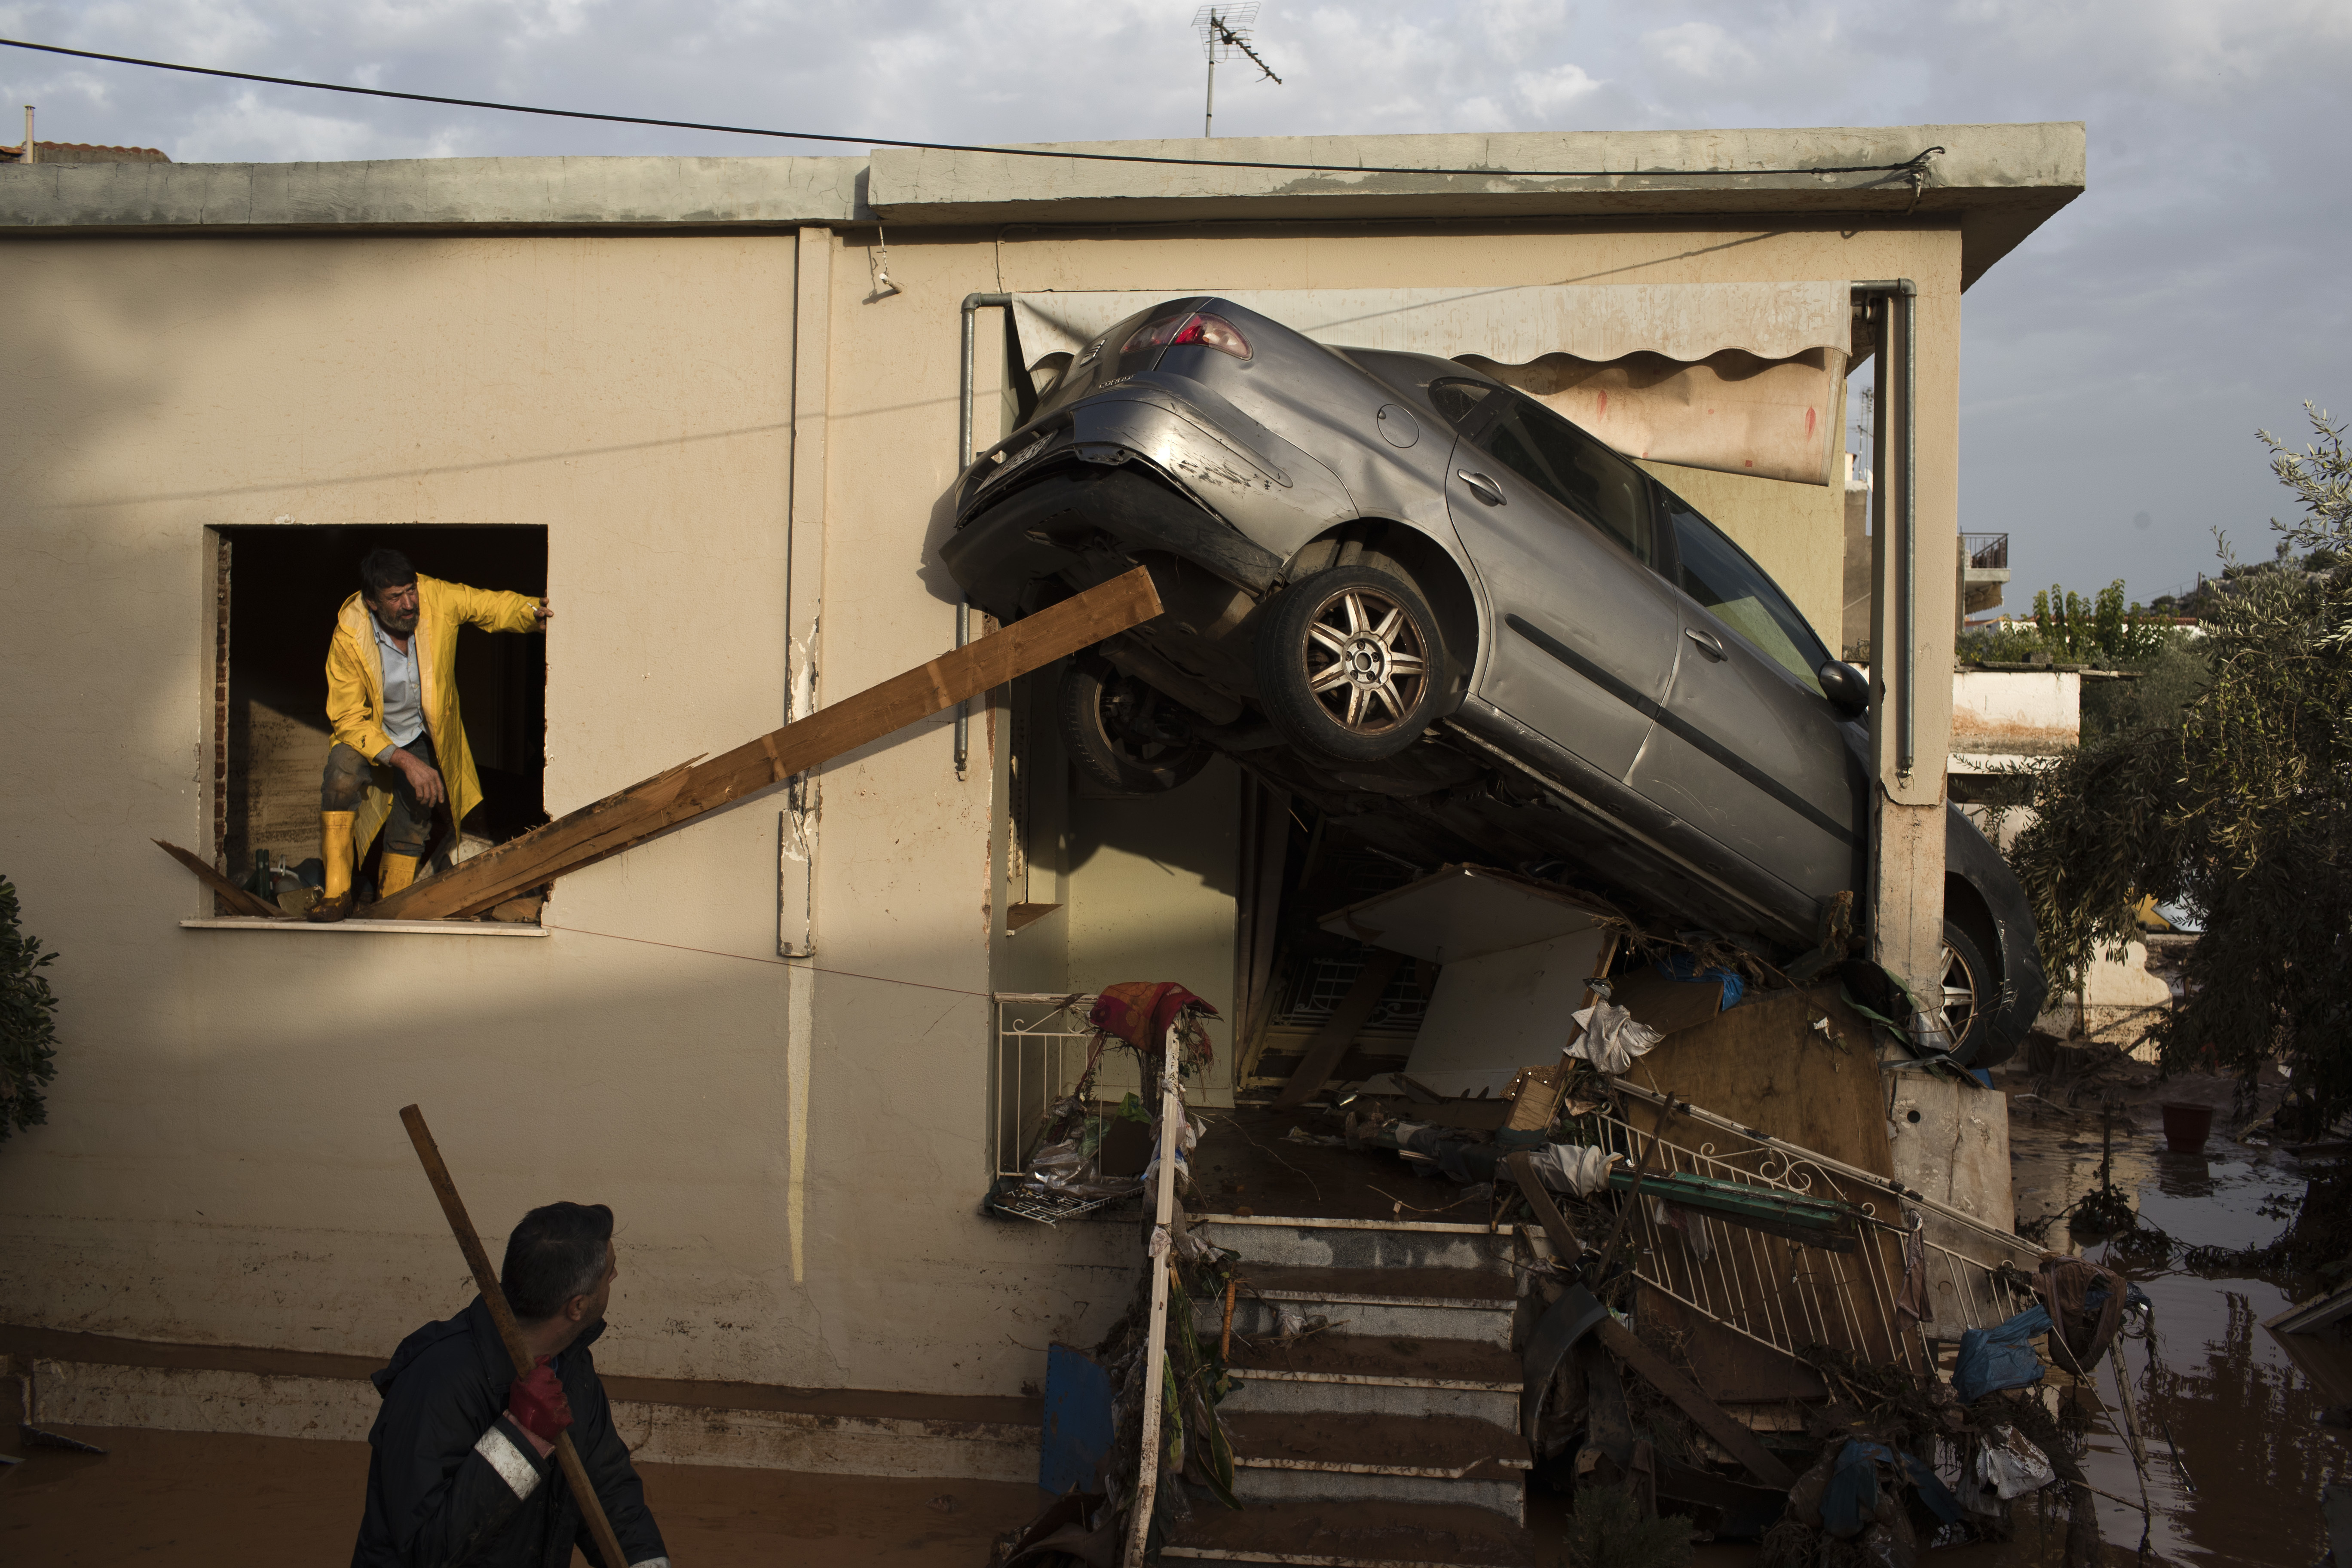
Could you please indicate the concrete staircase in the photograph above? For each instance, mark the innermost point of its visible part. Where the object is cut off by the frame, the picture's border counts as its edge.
(1391, 1437)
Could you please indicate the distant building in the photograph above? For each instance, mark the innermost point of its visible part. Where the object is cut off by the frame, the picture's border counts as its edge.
(81, 153)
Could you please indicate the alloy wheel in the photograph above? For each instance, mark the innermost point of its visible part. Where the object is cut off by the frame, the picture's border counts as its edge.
(1961, 987)
(1373, 660)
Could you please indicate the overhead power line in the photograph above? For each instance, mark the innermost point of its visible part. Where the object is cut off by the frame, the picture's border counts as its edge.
(1915, 164)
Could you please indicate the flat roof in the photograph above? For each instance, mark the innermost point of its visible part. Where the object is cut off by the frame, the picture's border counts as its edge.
(2000, 182)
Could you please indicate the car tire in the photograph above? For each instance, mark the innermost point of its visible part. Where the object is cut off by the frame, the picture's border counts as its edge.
(1969, 992)
(1349, 663)
(1124, 733)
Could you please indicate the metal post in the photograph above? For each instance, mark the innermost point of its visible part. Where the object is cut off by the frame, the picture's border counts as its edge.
(1895, 309)
(1208, 114)
(972, 302)
(31, 153)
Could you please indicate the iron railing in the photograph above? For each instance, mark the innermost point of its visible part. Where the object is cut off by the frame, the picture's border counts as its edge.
(1986, 551)
(1041, 1048)
(1779, 1293)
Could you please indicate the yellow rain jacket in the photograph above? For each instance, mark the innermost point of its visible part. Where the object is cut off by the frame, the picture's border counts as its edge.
(355, 686)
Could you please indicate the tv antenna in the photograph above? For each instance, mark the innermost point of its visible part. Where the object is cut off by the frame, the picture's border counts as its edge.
(1226, 31)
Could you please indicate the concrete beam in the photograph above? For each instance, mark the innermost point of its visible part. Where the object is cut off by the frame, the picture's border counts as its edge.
(433, 194)
(1999, 181)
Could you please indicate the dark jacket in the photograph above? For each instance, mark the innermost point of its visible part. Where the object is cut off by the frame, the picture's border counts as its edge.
(453, 1482)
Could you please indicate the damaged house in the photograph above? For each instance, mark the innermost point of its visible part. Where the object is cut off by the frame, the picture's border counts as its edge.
(1557, 459)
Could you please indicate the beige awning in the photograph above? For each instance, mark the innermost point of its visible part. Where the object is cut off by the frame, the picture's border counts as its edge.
(1748, 378)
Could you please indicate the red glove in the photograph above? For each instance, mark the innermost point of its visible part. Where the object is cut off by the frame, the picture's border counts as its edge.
(536, 1404)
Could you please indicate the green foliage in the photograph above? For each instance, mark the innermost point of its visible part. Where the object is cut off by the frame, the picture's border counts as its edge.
(1609, 1532)
(2095, 631)
(2167, 680)
(29, 1031)
(2240, 806)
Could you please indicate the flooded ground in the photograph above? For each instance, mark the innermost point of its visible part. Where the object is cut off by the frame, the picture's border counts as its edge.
(2243, 1414)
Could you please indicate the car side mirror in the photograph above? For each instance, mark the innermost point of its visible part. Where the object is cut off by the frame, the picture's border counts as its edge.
(1847, 688)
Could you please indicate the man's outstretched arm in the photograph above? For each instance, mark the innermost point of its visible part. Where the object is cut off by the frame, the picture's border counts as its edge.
(494, 611)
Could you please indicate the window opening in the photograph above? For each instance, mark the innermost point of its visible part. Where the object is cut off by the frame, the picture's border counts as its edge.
(1575, 470)
(1735, 591)
(280, 589)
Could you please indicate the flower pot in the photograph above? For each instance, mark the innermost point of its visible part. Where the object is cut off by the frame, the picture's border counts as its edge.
(2186, 1127)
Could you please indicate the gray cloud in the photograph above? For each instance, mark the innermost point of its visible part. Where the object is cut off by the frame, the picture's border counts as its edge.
(2115, 366)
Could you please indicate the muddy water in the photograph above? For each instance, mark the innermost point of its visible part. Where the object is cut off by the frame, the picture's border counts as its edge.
(2243, 1414)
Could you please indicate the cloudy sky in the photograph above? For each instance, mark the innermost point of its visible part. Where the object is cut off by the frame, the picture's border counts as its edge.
(2117, 366)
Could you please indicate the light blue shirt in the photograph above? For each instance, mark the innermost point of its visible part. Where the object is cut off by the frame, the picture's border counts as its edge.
(403, 693)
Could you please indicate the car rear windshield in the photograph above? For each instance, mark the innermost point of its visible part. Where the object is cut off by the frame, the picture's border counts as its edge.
(1735, 591)
(1574, 470)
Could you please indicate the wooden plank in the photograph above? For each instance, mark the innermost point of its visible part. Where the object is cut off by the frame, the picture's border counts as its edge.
(1717, 1422)
(1564, 1246)
(1339, 1030)
(240, 901)
(597, 832)
(551, 845)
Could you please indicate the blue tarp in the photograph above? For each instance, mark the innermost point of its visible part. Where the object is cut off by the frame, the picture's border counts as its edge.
(1686, 966)
(2002, 1357)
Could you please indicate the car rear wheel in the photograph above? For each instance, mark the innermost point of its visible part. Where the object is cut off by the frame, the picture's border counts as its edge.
(1968, 993)
(1126, 734)
(1349, 662)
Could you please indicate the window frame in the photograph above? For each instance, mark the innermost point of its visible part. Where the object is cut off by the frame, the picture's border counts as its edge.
(1481, 426)
(1666, 501)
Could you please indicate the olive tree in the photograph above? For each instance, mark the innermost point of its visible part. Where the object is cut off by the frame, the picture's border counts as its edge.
(2237, 804)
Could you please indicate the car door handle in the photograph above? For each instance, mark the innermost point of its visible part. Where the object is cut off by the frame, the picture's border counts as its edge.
(1484, 488)
(1708, 644)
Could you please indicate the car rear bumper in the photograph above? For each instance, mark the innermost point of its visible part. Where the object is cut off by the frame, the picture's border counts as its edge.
(1082, 520)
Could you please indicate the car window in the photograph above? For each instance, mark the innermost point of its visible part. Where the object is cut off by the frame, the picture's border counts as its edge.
(1574, 470)
(1719, 574)
(1458, 400)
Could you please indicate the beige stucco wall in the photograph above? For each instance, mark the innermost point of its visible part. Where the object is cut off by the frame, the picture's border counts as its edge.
(223, 1162)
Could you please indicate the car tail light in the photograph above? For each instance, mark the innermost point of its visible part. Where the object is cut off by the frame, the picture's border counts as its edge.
(1213, 332)
(1154, 333)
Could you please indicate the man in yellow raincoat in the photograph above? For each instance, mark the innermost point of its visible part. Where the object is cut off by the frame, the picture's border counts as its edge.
(392, 697)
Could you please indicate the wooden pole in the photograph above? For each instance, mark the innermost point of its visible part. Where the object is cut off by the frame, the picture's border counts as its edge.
(1161, 1262)
(486, 1280)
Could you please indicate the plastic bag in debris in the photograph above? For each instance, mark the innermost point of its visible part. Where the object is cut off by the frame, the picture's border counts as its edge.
(1852, 1501)
(1612, 1037)
(1187, 1139)
(2013, 1466)
(1572, 1168)
(2000, 1357)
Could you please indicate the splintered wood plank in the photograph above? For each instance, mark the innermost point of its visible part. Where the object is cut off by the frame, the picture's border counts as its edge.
(1718, 1423)
(1341, 1029)
(617, 823)
(240, 901)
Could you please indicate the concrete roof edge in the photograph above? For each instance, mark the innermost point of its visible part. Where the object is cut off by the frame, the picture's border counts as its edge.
(1980, 165)
(434, 192)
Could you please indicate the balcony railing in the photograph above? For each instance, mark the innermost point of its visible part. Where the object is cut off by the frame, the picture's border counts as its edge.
(1986, 551)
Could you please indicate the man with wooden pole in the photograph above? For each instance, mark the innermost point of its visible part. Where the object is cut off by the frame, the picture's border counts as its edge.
(462, 1470)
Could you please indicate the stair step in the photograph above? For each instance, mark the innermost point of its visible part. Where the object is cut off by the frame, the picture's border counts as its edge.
(1389, 1303)
(1371, 1534)
(1287, 1455)
(1283, 1241)
(1351, 1375)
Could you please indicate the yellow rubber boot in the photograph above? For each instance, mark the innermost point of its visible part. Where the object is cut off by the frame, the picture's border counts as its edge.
(399, 871)
(335, 851)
